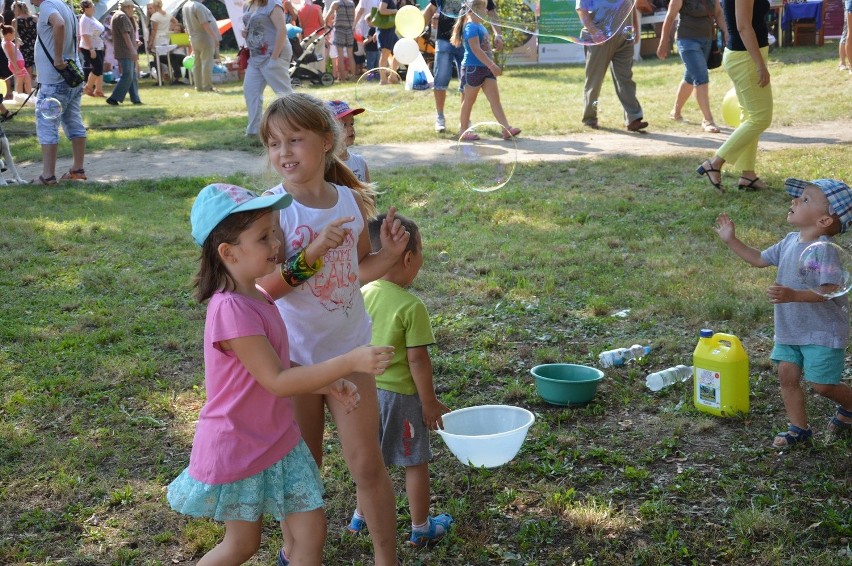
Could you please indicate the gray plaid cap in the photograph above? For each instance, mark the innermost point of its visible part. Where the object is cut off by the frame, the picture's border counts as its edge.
(839, 197)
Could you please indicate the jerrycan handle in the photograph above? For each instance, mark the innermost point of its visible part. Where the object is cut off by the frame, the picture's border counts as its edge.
(733, 341)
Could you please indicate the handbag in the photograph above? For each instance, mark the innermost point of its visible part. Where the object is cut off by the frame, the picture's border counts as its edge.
(242, 58)
(71, 74)
(382, 21)
(714, 59)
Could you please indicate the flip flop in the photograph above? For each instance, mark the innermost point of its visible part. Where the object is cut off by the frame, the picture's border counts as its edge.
(510, 133)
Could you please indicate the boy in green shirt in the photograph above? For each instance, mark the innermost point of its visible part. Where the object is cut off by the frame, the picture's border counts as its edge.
(408, 406)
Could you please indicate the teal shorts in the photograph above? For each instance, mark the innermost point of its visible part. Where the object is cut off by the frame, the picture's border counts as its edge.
(819, 363)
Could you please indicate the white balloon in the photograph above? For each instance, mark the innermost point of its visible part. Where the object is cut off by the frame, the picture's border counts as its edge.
(406, 51)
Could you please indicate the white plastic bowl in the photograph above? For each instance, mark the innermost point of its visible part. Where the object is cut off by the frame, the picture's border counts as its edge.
(488, 435)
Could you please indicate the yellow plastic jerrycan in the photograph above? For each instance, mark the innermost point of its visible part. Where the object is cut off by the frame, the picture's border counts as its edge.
(721, 374)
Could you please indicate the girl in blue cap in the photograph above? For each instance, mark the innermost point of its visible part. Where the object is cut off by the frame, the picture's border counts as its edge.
(248, 458)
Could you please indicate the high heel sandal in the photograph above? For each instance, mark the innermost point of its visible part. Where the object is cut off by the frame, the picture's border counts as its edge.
(755, 184)
(702, 170)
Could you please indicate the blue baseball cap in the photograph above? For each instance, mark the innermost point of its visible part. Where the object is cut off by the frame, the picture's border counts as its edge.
(218, 201)
(839, 197)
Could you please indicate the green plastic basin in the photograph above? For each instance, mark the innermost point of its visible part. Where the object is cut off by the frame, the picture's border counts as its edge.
(566, 385)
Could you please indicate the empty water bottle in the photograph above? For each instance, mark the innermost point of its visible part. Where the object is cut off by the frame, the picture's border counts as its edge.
(666, 377)
(621, 356)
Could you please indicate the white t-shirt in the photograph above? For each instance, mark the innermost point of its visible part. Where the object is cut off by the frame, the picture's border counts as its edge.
(163, 22)
(94, 28)
(325, 315)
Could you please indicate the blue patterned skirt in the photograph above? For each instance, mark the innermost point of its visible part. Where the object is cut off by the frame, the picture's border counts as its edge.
(291, 485)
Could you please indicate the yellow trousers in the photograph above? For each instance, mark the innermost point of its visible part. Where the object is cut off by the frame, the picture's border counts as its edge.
(755, 110)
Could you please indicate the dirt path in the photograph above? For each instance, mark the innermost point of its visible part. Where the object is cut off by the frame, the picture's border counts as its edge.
(123, 165)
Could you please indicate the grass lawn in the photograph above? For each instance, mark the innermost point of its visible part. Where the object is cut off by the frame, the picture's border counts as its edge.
(101, 375)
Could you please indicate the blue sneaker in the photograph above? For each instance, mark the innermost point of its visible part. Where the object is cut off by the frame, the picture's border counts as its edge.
(282, 558)
(438, 527)
(356, 525)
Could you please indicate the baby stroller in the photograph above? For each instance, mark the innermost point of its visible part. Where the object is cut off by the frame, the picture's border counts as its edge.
(299, 69)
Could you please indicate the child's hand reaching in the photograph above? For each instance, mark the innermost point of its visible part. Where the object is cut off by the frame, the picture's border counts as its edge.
(329, 238)
(346, 392)
(393, 235)
(371, 359)
(725, 227)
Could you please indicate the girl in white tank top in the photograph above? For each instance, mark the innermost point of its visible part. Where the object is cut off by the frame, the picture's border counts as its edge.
(326, 258)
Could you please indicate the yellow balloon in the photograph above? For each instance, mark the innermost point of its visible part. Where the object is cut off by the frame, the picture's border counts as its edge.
(3, 88)
(731, 112)
(409, 22)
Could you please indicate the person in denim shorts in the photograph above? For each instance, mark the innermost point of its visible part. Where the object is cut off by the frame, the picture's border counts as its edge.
(439, 13)
(57, 22)
(696, 32)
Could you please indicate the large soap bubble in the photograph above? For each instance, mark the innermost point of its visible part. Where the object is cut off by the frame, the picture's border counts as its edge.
(49, 108)
(824, 268)
(485, 157)
(377, 96)
(607, 19)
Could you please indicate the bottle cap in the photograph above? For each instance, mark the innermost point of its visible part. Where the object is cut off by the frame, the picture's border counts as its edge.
(706, 333)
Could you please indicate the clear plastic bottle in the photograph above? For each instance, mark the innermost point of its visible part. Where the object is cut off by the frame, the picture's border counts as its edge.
(660, 379)
(620, 356)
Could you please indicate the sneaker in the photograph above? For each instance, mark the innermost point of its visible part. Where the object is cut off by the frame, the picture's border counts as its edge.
(356, 525)
(112, 102)
(282, 558)
(438, 527)
(440, 124)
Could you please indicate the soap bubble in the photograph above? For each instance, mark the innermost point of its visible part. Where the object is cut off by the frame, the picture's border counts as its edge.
(484, 161)
(443, 257)
(609, 17)
(454, 8)
(371, 94)
(824, 269)
(49, 108)
(628, 33)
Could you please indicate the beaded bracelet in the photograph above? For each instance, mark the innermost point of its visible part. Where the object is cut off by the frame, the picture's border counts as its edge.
(295, 270)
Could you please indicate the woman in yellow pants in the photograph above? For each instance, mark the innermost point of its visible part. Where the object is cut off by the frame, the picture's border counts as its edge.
(745, 61)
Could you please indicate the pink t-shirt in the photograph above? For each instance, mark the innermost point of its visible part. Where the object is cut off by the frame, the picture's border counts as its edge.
(242, 428)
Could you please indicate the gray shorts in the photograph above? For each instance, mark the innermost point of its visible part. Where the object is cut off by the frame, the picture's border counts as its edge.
(402, 434)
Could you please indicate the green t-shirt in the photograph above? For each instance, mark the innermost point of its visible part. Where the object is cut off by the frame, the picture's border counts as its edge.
(400, 320)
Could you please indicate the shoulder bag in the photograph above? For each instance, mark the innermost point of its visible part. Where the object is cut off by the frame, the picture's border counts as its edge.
(71, 74)
(714, 59)
(382, 21)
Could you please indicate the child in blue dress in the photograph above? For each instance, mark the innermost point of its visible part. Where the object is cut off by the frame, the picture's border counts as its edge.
(248, 458)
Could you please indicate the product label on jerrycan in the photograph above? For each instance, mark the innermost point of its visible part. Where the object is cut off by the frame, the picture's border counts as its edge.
(709, 387)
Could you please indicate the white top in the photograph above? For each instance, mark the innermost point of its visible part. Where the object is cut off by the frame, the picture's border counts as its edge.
(164, 22)
(325, 315)
(94, 28)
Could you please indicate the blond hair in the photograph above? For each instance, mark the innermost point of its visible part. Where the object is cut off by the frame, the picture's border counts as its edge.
(299, 111)
(477, 7)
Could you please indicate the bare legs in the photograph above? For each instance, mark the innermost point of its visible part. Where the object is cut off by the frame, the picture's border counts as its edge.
(702, 97)
(359, 435)
(489, 87)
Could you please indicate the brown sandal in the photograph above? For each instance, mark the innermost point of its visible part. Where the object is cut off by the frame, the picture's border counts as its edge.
(50, 181)
(72, 175)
